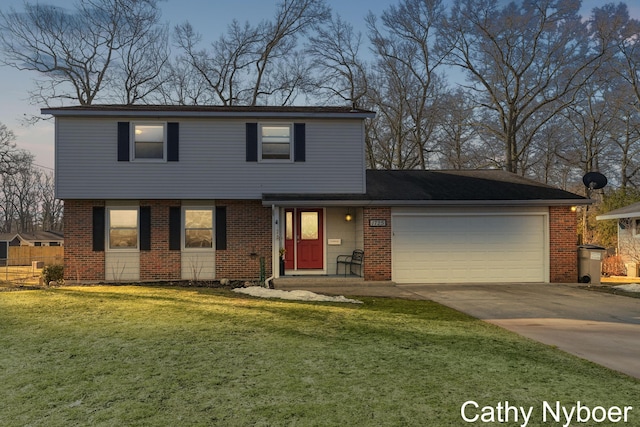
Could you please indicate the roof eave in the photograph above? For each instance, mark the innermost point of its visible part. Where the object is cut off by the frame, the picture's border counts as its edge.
(209, 114)
(618, 216)
(311, 201)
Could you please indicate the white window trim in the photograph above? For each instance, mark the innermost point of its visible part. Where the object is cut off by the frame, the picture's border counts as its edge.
(184, 228)
(108, 247)
(132, 148)
(291, 142)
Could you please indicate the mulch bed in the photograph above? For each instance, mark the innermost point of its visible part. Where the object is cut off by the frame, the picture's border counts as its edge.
(216, 284)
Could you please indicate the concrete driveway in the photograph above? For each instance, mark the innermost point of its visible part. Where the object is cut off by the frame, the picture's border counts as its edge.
(596, 326)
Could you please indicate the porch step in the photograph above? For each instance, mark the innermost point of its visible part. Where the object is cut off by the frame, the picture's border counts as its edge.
(340, 285)
(321, 280)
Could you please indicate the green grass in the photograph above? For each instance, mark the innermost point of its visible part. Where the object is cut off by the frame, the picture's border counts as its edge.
(153, 356)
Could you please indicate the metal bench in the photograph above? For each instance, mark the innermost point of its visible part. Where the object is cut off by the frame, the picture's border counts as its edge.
(349, 261)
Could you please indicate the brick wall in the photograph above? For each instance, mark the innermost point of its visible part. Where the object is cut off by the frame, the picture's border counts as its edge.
(377, 244)
(248, 239)
(81, 263)
(563, 245)
(160, 263)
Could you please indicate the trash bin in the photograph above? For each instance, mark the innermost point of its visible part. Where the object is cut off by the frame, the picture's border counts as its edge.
(590, 263)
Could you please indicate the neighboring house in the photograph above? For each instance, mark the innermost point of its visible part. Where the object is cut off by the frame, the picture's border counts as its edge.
(202, 193)
(38, 238)
(628, 219)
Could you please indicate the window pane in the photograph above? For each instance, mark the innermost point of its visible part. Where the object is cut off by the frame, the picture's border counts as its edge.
(276, 142)
(309, 225)
(149, 133)
(275, 133)
(121, 218)
(198, 228)
(123, 238)
(198, 218)
(123, 228)
(289, 225)
(149, 150)
(275, 151)
(198, 239)
(149, 141)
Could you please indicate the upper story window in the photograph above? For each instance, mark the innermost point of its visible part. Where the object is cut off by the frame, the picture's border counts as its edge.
(123, 228)
(149, 141)
(276, 142)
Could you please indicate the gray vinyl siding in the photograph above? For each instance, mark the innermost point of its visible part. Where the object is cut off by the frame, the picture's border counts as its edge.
(212, 162)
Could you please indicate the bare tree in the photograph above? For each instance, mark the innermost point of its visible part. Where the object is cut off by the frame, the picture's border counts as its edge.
(248, 64)
(142, 64)
(8, 150)
(525, 61)
(407, 61)
(591, 117)
(342, 74)
(221, 68)
(616, 29)
(456, 139)
(78, 53)
(51, 209)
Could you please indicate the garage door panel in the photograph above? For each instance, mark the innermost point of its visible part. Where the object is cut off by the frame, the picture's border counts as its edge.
(469, 248)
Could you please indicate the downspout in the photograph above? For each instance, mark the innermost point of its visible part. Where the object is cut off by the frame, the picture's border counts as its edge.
(275, 237)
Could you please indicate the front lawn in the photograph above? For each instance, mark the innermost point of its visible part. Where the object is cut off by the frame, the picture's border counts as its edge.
(153, 356)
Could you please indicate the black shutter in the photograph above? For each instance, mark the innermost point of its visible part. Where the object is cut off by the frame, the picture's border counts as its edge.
(173, 137)
(145, 228)
(299, 142)
(98, 228)
(123, 141)
(175, 228)
(252, 142)
(221, 228)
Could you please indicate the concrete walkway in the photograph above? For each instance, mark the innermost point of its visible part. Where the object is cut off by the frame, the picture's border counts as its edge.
(596, 326)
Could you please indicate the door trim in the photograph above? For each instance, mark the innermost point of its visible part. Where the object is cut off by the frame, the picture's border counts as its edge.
(291, 266)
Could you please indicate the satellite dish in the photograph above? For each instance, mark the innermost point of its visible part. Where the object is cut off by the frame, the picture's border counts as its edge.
(594, 180)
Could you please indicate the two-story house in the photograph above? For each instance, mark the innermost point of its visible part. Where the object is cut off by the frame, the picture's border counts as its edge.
(202, 192)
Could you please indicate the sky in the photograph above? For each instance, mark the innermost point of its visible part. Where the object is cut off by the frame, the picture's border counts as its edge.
(208, 17)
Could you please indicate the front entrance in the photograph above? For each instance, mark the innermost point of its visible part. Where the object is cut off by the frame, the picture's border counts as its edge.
(304, 239)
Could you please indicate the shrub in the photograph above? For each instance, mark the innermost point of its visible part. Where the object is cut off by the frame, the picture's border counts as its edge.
(613, 266)
(53, 273)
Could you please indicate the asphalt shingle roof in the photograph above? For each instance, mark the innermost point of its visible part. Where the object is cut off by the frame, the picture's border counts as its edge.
(440, 187)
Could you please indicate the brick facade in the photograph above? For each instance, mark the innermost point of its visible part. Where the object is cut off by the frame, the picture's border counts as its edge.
(248, 231)
(377, 244)
(248, 239)
(160, 263)
(563, 245)
(81, 263)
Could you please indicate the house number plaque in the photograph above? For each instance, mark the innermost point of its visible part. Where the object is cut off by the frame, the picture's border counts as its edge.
(377, 223)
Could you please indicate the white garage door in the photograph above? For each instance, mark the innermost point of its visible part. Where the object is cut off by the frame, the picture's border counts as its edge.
(465, 248)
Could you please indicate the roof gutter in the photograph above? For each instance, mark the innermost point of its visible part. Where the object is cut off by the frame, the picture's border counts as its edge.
(426, 203)
(618, 216)
(208, 114)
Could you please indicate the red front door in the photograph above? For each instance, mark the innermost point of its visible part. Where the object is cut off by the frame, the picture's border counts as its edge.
(304, 239)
